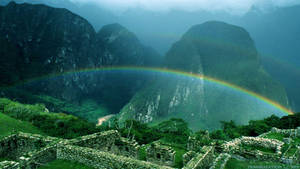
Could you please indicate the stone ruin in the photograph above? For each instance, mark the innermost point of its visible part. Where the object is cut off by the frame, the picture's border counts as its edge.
(160, 154)
(202, 159)
(109, 150)
(109, 141)
(236, 146)
(290, 133)
(274, 147)
(195, 144)
(100, 150)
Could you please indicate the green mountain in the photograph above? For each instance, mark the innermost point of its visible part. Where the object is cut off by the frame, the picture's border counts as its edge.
(218, 50)
(37, 40)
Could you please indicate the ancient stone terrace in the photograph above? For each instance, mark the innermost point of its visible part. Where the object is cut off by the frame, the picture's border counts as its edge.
(109, 150)
(100, 150)
(160, 154)
(283, 149)
(203, 159)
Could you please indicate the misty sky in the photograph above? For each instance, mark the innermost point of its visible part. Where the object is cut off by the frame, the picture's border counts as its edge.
(232, 6)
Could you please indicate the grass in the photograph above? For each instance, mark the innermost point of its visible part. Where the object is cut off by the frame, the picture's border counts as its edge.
(291, 151)
(64, 164)
(179, 149)
(178, 157)
(263, 149)
(221, 160)
(276, 136)
(236, 164)
(4, 159)
(143, 153)
(10, 125)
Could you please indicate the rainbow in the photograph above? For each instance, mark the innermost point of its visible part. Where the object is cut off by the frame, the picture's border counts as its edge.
(174, 72)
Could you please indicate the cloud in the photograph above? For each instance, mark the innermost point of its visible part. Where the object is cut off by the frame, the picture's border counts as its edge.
(231, 6)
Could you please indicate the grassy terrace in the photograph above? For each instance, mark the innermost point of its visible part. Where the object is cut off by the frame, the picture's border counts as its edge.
(236, 164)
(263, 149)
(288, 150)
(276, 136)
(63, 164)
(179, 149)
(4, 159)
(220, 162)
(10, 125)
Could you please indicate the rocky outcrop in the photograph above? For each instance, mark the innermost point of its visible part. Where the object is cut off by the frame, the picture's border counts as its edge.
(220, 51)
(39, 40)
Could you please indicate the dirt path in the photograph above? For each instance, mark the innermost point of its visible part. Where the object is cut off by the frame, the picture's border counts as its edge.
(101, 120)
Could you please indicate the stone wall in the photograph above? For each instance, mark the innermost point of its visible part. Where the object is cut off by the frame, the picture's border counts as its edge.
(193, 144)
(36, 159)
(16, 145)
(202, 160)
(32, 151)
(196, 142)
(101, 141)
(100, 159)
(236, 147)
(126, 147)
(108, 141)
(188, 156)
(286, 132)
(9, 165)
(263, 142)
(221, 161)
(160, 154)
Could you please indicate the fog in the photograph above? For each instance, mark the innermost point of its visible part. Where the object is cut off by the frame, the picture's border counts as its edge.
(274, 26)
(231, 6)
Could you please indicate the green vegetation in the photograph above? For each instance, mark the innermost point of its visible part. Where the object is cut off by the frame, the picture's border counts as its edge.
(178, 157)
(237, 164)
(52, 124)
(276, 136)
(256, 127)
(142, 152)
(86, 109)
(4, 159)
(263, 149)
(59, 164)
(10, 125)
(173, 132)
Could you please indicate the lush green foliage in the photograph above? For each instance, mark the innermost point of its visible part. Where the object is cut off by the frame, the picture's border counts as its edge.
(53, 124)
(255, 127)
(59, 164)
(173, 131)
(86, 109)
(10, 125)
(236, 164)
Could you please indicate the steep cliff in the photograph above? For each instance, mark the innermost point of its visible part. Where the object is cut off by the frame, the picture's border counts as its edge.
(54, 41)
(220, 51)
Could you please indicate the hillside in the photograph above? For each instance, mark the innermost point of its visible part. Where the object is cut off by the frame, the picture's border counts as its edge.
(220, 51)
(42, 43)
(10, 125)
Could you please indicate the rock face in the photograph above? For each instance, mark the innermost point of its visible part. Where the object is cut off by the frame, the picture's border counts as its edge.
(217, 50)
(40, 40)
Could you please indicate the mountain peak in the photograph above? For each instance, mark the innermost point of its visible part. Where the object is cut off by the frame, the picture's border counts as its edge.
(217, 31)
(114, 31)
